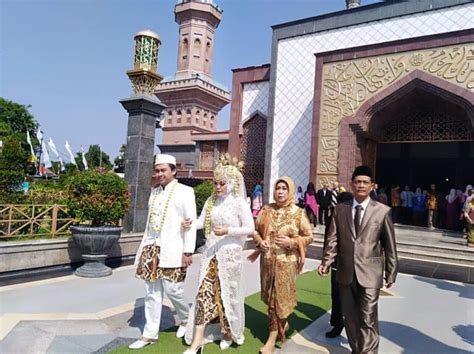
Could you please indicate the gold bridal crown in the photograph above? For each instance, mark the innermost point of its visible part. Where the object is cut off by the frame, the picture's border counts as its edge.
(228, 167)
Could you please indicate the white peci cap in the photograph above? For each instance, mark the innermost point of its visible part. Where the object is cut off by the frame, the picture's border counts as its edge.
(164, 158)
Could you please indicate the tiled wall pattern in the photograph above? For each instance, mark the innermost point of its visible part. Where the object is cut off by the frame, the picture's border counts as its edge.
(255, 98)
(294, 85)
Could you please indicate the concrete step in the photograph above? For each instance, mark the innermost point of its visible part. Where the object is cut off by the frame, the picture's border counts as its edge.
(456, 258)
(439, 249)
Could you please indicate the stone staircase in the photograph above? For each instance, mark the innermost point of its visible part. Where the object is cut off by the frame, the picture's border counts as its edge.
(417, 243)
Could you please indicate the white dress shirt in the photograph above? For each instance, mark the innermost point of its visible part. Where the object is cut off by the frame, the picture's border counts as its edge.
(173, 239)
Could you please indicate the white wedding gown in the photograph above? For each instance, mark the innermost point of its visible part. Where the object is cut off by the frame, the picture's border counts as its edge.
(234, 213)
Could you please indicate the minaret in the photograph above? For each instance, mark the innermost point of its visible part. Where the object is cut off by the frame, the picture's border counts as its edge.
(351, 4)
(192, 97)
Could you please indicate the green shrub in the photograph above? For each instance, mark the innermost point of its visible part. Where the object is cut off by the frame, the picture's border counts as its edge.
(202, 192)
(48, 191)
(98, 198)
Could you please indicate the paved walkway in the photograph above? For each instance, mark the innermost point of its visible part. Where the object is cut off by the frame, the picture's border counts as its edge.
(77, 315)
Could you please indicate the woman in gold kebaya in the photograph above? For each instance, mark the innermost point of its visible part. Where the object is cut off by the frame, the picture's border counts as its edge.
(282, 233)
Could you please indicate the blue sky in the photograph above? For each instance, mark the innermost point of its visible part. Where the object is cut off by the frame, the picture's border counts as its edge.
(68, 58)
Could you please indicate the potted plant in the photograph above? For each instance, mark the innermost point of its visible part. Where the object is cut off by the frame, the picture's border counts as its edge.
(97, 200)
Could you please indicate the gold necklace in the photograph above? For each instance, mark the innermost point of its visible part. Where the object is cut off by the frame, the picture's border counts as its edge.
(158, 228)
(210, 205)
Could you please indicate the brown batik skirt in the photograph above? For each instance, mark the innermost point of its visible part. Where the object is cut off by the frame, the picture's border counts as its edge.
(149, 270)
(209, 307)
(276, 323)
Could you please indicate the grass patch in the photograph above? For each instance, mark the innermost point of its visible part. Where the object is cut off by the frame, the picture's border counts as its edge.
(314, 299)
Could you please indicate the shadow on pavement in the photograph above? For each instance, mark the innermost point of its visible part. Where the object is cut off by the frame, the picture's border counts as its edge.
(466, 332)
(412, 340)
(465, 291)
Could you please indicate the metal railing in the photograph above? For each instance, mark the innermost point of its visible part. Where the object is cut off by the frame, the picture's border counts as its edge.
(27, 220)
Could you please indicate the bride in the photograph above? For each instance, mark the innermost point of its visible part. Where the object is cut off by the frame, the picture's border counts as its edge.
(218, 311)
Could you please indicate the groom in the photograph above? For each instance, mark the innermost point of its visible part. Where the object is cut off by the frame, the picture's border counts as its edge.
(166, 249)
(362, 237)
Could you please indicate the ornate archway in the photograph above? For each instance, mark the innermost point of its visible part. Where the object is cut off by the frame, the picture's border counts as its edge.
(353, 84)
(420, 108)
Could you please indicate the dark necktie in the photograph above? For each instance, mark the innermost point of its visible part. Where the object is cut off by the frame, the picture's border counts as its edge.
(357, 218)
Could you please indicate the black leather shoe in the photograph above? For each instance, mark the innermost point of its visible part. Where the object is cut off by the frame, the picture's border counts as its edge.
(335, 332)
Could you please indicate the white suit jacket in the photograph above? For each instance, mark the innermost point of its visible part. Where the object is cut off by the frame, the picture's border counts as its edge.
(174, 241)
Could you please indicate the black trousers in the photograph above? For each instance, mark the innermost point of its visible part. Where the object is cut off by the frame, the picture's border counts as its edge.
(336, 311)
(323, 215)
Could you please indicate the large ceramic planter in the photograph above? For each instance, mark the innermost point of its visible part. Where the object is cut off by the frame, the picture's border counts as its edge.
(94, 243)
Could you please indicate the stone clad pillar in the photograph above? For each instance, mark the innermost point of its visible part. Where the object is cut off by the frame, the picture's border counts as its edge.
(143, 111)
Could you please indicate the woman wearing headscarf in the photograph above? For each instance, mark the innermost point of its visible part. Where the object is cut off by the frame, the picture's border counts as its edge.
(282, 233)
(453, 208)
(465, 195)
(218, 310)
(257, 202)
(312, 207)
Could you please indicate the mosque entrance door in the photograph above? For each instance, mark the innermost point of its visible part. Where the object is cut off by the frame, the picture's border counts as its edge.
(447, 164)
(419, 139)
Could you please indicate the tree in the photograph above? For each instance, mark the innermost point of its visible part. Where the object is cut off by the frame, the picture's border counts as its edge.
(95, 157)
(15, 121)
(16, 117)
(12, 163)
(119, 161)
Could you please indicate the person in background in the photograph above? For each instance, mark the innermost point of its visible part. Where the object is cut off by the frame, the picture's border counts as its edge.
(336, 320)
(383, 198)
(431, 204)
(323, 197)
(25, 186)
(374, 192)
(453, 209)
(407, 205)
(396, 203)
(257, 200)
(467, 196)
(334, 193)
(312, 207)
(419, 208)
(469, 215)
(299, 198)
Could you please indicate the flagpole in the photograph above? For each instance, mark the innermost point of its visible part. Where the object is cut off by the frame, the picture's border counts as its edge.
(40, 153)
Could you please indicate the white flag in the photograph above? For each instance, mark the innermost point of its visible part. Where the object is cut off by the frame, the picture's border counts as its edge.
(45, 155)
(71, 155)
(84, 159)
(53, 147)
(39, 135)
(62, 165)
(28, 139)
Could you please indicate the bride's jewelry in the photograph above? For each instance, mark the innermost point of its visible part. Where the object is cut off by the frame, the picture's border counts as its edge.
(210, 205)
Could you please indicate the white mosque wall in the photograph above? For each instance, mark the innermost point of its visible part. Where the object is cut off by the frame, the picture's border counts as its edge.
(293, 83)
(255, 99)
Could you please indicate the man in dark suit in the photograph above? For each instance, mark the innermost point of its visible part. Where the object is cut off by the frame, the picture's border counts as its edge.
(336, 320)
(362, 237)
(323, 197)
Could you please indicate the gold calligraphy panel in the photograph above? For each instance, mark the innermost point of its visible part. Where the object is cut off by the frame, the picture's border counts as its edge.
(346, 85)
